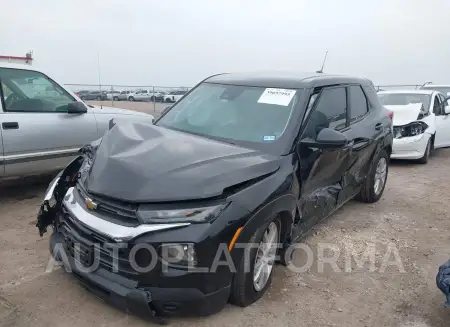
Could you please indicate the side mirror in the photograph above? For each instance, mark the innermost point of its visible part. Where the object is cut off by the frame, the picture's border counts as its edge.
(76, 108)
(327, 138)
(446, 106)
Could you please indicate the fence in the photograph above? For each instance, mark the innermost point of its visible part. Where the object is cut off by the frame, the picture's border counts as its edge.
(146, 98)
(155, 98)
(168, 89)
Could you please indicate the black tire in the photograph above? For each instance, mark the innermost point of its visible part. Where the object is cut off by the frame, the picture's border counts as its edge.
(152, 99)
(83, 98)
(131, 99)
(98, 98)
(168, 100)
(367, 193)
(426, 155)
(116, 99)
(243, 292)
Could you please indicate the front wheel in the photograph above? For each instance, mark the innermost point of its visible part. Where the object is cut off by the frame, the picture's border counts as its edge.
(254, 273)
(116, 99)
(426, 154)
(131, 99)
(373, 186)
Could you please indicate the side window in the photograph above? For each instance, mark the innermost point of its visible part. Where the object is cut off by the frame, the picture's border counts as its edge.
(442, 97)
(357, 102)
(436, 105)
(330, 111)
(30, 91)
(144, 91)
(333, 104)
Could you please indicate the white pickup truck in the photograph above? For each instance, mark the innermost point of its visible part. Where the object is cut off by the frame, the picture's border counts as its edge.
(43, 124)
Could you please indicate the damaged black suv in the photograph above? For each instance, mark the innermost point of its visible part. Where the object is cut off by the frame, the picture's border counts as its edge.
(191, 212)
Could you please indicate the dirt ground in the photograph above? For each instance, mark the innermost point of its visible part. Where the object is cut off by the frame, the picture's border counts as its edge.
(413, 216)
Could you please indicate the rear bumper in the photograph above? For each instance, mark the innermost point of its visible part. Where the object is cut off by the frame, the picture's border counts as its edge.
(410, 147)
(146, 302)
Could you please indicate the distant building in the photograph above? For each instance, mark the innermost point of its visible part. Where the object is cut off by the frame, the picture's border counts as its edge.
(28, 59)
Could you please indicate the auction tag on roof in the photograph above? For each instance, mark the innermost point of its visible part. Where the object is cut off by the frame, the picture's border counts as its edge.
(281, 97)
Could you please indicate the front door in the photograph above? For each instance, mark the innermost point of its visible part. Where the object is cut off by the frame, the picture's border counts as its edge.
(39, 135)
(321, 170)
(442, 138)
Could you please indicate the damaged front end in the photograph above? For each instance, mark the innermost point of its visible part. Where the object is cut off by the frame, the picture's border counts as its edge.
(58, 187)
(136, 300)
(55, 194)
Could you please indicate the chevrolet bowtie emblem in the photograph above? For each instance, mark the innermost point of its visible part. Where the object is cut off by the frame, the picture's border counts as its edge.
(91, 205)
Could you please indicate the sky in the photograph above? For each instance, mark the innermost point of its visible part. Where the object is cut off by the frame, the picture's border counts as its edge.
(178, 43)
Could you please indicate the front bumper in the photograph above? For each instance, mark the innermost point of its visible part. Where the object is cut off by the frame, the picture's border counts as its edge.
(175, 291)
(410, 147)
(146, 302)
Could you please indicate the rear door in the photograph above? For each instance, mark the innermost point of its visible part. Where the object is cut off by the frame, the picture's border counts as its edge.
(442, 138)
(321, 171)
(39, 134)
(364, 129)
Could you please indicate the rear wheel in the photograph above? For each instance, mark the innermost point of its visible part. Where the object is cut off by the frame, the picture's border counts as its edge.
(373, 186)
(254, 273)
(99, 98)
(426, 154)
(116, 99)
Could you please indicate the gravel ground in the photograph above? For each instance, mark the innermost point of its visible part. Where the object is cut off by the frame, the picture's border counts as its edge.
(412, 218)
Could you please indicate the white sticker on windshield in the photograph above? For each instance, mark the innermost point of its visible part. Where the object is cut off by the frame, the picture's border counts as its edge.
(281, 97)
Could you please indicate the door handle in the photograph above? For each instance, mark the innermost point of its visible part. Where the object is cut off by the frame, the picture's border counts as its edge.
(379, 126)
(10, 125)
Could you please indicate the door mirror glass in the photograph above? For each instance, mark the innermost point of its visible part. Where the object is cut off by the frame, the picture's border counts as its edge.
(76, 108)
(327, 138)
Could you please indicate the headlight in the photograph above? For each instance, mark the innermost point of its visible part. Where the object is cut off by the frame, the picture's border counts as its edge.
(412, 129)
(192, 215)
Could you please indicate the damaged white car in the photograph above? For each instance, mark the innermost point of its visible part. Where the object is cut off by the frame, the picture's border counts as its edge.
(421, 122)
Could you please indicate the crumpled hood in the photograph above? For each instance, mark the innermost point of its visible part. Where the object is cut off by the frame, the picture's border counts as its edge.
(138, 162)
(405, 114)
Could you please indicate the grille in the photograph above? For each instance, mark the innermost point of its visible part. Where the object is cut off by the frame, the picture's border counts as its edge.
(117, 212)
(72, 230)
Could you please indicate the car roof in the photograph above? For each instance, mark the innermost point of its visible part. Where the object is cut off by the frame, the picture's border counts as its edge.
(435, 85)
(289, 80)
(408, 92)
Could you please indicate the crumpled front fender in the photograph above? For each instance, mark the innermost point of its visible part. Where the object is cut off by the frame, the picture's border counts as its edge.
(55, 194)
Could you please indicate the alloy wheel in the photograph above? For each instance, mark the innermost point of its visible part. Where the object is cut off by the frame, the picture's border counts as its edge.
(380, 176)
(265, 257)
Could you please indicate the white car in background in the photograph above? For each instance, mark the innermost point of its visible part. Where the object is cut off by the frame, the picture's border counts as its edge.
(421, 122)
(174, 96)
(113, 95)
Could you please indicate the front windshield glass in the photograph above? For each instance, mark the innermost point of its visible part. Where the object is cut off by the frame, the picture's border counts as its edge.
(401, 99)
(233, 113)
